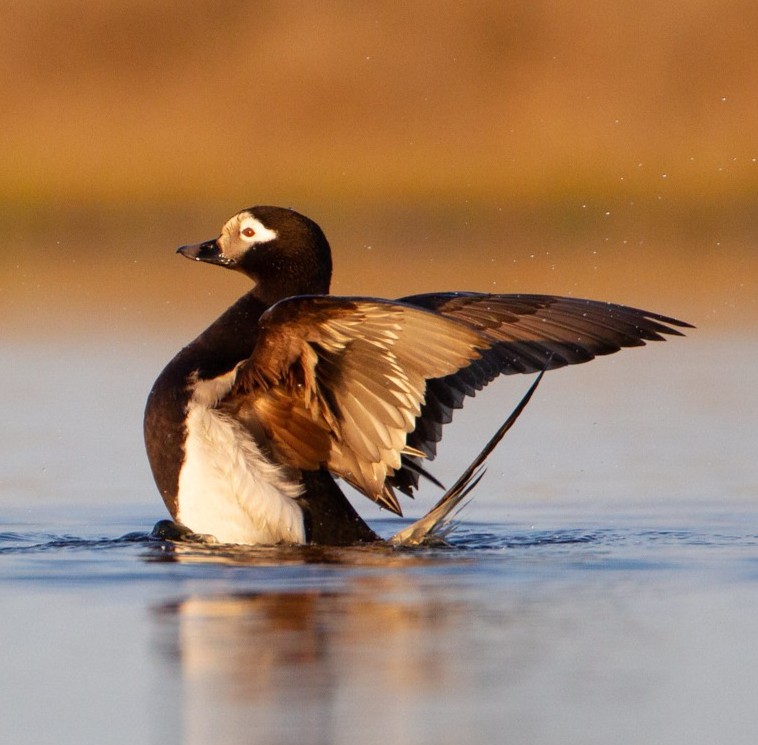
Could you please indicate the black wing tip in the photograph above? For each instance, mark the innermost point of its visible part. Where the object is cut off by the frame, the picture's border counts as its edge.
(659, 327)
(667, 322)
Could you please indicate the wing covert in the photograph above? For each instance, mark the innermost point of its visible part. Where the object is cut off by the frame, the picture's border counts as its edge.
(340, 383)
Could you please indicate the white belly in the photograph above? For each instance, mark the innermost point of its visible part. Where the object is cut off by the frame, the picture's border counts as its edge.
(229, 489)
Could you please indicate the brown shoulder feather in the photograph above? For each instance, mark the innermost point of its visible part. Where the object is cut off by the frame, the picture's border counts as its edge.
(340, 382)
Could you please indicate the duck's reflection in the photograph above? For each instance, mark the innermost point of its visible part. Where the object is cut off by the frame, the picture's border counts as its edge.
(311, 667)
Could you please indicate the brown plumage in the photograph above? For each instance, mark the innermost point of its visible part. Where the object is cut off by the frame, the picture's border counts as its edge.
(356, 387)
(339, 383)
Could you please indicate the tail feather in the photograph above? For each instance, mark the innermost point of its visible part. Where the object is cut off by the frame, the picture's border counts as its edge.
(438, 522)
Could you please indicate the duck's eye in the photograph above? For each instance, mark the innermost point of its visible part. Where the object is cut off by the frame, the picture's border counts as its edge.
(247, 232)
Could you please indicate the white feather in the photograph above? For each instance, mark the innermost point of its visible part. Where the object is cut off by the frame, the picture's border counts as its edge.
(227, 487)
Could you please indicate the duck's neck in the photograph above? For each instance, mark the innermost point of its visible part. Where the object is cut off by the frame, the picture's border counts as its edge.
(229, 339)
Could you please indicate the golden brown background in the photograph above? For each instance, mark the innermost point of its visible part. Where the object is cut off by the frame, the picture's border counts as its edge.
(595, 149)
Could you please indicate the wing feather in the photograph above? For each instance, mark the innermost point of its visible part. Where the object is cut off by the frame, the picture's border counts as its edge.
(363, 387)
(526, 333)
(340, 383)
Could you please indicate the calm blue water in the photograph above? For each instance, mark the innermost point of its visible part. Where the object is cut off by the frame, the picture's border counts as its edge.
(602, 588)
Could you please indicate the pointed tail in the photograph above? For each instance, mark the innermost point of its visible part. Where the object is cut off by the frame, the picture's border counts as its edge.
(438, 522)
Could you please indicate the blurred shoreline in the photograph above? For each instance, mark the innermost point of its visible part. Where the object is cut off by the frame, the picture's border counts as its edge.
(114, 266)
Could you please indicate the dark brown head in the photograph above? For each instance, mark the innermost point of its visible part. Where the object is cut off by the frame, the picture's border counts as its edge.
(282, 251)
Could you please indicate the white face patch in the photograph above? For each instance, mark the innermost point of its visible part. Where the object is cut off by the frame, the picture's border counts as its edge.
(241, 233)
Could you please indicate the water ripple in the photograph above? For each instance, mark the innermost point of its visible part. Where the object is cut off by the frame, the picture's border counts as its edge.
(656, 546)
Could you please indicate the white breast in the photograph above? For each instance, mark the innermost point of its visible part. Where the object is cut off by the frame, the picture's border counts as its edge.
(227, 487)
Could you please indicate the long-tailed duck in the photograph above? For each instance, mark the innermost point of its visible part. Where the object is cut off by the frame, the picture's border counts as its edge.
(248, 426)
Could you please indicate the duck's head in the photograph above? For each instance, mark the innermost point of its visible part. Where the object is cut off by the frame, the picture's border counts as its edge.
(282, 251)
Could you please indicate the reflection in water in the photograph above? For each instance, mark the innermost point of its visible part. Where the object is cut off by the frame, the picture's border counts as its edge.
(313, 666)
(621, 636)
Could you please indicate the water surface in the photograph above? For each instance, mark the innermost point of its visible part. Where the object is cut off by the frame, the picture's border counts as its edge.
(603, 586)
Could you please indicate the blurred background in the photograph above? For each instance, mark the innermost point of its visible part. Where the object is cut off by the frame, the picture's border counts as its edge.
(601, 149)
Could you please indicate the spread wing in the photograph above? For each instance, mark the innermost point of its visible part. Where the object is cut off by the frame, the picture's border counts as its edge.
(340, 383)
(524, 333)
